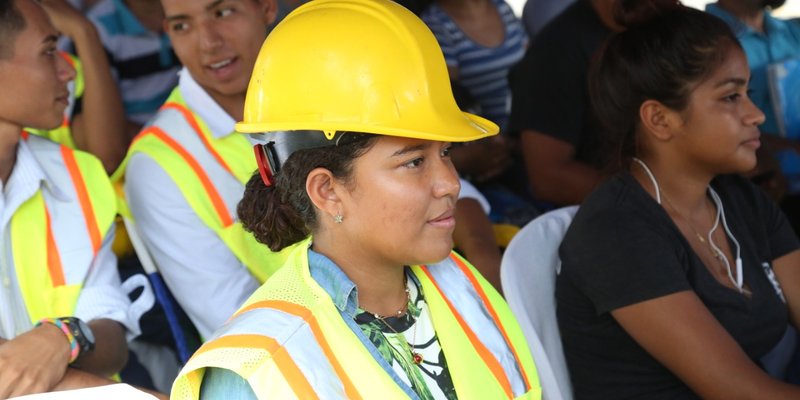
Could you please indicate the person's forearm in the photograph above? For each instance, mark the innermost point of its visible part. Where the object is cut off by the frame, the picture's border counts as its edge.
(77, 379)
(555, 174)
(566, 184)
(100, 128)
(475, 238)
(111, 350)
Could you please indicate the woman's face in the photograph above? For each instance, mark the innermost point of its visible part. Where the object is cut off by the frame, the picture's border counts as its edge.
(399, 206)
(720, 125)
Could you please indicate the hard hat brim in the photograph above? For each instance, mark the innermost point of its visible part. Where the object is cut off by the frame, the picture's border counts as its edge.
(469, 128)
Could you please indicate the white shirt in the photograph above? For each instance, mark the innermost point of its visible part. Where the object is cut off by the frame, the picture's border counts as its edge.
(206, 278)
(101, 296)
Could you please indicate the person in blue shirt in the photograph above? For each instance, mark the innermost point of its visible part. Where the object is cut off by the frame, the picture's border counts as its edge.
(767, 40)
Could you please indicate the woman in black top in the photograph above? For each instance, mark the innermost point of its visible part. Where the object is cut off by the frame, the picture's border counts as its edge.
(677, 275)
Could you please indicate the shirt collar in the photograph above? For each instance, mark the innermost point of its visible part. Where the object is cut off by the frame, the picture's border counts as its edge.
(219, 122)
(330, 277)
(335, 282)
(28, 172)
(739, 28)
(772, 24)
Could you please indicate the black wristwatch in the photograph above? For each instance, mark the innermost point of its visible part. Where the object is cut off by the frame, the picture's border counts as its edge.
(82, 333)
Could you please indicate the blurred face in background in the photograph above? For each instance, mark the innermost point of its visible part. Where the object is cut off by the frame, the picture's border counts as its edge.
(218, 41)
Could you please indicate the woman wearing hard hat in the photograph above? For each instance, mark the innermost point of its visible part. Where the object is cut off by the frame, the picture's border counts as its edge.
(354, 103)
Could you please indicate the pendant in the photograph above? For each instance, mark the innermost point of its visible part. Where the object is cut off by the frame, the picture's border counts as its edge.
(700, 238)
(417, 358)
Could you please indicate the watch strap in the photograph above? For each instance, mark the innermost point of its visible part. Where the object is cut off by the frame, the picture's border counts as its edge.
(74, 348)
(77, 328)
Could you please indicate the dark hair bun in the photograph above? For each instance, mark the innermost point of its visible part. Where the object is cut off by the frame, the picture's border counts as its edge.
(631, 13)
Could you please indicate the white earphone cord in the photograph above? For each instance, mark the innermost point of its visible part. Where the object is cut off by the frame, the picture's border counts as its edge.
(738, 281)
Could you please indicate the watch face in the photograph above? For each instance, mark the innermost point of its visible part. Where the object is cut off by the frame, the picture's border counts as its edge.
(87, 332)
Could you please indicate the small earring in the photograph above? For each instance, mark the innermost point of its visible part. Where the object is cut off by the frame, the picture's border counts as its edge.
(338, 218)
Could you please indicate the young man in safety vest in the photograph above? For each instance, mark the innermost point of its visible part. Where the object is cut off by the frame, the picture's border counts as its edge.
(185, 172)
(63, 315)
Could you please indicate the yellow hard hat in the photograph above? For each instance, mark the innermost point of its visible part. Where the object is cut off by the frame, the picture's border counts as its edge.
(368, 66)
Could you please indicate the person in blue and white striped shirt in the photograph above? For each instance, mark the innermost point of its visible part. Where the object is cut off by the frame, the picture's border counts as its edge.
(140, 54)
(481, 41)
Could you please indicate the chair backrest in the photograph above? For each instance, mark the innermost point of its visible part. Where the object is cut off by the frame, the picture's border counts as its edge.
(528, 275)
(185, 335)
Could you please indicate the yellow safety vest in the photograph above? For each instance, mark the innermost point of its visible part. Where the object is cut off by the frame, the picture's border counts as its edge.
(181, 143)
(54, 243)
(289, 340)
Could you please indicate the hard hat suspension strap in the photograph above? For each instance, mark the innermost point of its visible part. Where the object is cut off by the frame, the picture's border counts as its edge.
(279, 146)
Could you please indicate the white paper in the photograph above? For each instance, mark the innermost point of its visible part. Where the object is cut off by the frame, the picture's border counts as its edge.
(118, 391)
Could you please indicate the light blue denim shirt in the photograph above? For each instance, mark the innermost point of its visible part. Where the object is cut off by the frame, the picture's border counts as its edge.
(225, 384)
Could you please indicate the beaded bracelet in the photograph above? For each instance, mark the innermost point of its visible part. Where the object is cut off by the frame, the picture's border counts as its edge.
(73, 343)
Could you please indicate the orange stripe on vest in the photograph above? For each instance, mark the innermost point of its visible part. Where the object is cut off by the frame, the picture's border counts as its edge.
(483, 352)
(478, 288)
(298, 382)
(189, 116)
(211, 191)
(53, 258)
(83, 197)
(305, 314)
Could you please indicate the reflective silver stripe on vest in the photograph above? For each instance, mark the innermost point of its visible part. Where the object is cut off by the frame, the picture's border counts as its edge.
(297, 340)
(468, 303)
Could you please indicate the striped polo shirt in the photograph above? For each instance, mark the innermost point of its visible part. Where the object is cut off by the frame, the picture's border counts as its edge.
(142, 61)
(482, 70)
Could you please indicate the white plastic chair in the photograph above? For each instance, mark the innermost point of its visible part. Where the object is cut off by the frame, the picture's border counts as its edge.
(528, 275)
(161, 362)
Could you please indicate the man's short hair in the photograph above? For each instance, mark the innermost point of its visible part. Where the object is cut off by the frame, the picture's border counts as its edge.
(11, 23)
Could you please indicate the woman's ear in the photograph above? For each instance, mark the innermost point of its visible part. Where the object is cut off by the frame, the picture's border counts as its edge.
(322, 189)
(657, 120)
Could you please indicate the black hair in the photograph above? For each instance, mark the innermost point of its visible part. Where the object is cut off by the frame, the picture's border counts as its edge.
(282, 214)
(773, 4)
(666, 50)
(415, 6)
(11, 23)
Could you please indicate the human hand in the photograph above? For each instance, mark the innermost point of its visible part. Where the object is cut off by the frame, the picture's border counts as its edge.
(33, 362)
(483, 159)
(65, 17)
